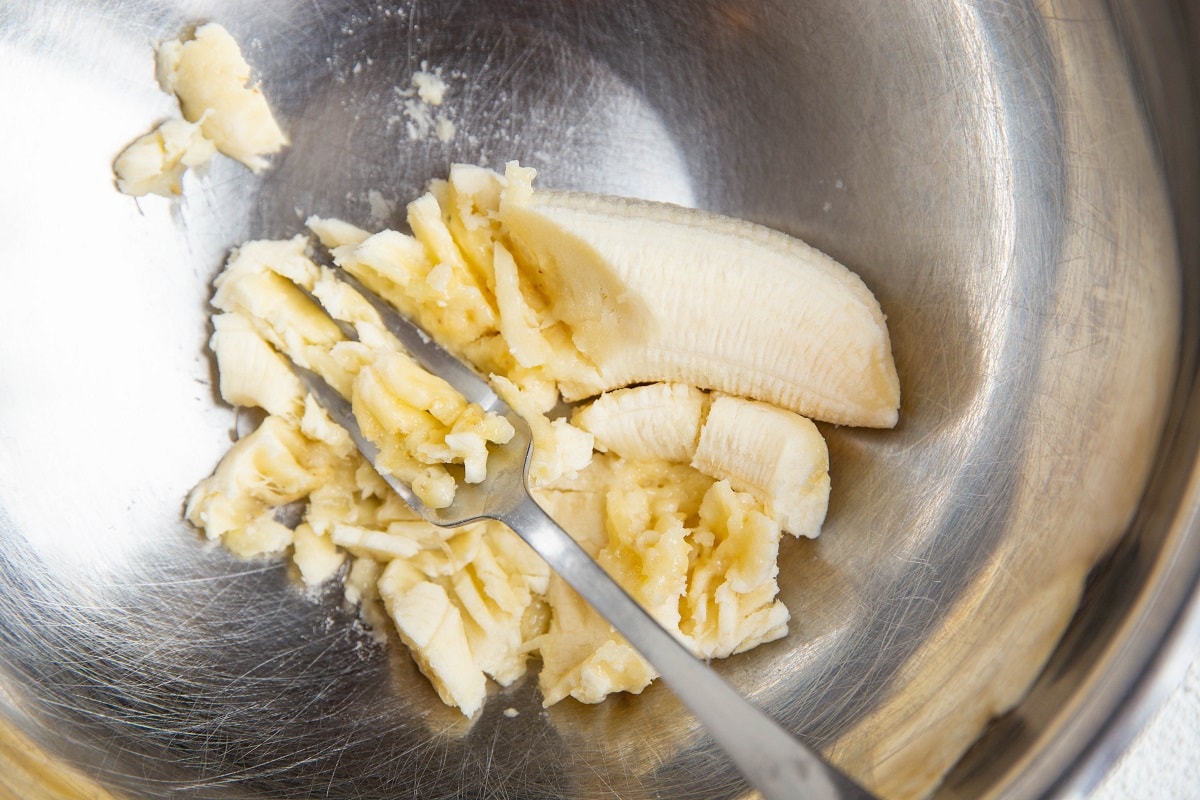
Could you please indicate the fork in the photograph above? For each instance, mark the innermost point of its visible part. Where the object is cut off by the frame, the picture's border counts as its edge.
(768, 756)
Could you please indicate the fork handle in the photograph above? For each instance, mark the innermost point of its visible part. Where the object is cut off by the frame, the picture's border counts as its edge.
(769, 757)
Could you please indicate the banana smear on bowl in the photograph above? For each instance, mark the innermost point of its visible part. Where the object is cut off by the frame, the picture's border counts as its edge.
(697, 350)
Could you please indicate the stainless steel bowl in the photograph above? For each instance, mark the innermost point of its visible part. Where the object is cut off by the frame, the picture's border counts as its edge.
(1018, 182)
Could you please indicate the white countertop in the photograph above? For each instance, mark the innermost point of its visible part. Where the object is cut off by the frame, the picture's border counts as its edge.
(1163, 762)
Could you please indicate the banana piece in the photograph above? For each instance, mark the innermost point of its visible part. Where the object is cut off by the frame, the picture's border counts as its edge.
(582, 657)
(317, 558)
(559, 448)
(155, 163)
(771, 453)
(695, 553)
(333, 233)
(655, 421)
(518, 323)
(274, 465)
(252, 373)
(465, 605)
(656, 292)
(730, 605)
(209, 76)
(466, 199)
(433, 629)
(776, 455)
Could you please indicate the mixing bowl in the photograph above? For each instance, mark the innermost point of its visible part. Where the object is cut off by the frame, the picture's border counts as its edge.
(1005, 581)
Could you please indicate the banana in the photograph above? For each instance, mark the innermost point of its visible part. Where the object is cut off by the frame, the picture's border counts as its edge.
(155, 163)
(655, 421)
(771, 453)
(656, 292)
(582, 657)
(692, 457)
(466, 198)
(559, 448)
(209, 76)
(272, 466)
(433, 629)
(697, 554)
(518, 322)
(252, 373)
(334, 233)
(776, 455)
(317, 557)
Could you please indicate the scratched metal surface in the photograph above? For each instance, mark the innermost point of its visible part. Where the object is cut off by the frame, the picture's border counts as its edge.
(1006, 177)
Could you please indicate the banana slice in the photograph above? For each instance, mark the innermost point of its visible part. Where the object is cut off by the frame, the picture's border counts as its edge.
(656, 421)
(656, 292)
(771, 453)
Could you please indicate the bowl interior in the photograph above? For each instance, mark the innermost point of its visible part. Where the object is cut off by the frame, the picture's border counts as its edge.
(992, 175)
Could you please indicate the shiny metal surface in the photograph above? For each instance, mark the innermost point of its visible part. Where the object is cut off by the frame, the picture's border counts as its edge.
(1017, 182)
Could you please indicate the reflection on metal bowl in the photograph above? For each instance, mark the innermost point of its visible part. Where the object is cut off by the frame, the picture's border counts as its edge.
(1019, 185)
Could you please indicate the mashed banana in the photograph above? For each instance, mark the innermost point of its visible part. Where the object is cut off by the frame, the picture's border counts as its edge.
(474, 604)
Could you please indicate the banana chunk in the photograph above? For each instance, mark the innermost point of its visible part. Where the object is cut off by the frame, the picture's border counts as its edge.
(658, 293)
(656, 421)
(771, 453)
(221, 112)
(433, 629)
(155, 163)
(209, 76)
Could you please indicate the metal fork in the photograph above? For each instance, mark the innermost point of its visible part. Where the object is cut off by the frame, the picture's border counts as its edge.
(769, 757)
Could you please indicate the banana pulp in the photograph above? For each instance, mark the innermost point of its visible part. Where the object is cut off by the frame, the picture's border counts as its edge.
(221, 112)
(690, 456)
